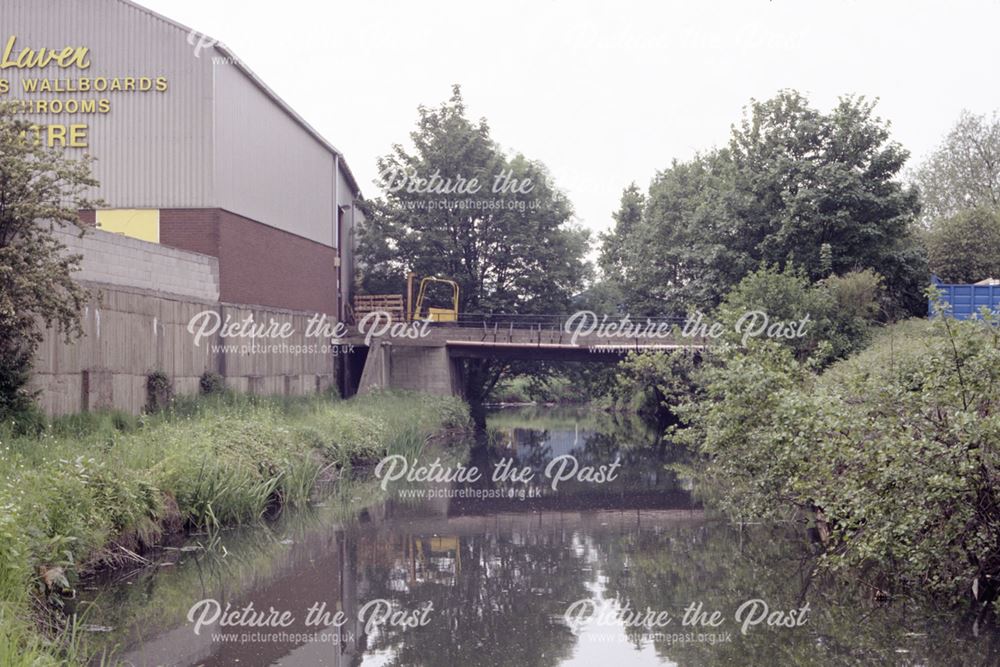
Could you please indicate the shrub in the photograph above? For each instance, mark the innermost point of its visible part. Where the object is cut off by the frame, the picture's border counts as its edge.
(895, 449)
(28, 420)
(159, 391)
(15, 375)
(211, 383)
(841, 309)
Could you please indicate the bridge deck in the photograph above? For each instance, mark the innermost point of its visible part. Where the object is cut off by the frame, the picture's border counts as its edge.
(465, 337)
(425, 356)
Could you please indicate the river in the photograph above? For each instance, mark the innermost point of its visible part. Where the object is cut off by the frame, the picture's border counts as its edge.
(627, 569)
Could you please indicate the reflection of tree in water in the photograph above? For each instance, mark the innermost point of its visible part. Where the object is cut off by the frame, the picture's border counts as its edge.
(530, 447)
(500, 580)
(498, 601)
(499, 596)
(722, 567)
(598, 441)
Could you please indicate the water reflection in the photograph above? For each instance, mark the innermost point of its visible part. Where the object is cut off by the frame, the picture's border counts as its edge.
(501, 573)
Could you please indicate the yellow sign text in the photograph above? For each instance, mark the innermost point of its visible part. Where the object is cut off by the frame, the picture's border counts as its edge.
(66, 57)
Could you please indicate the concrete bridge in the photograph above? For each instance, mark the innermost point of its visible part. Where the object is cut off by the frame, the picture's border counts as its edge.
(425, 356)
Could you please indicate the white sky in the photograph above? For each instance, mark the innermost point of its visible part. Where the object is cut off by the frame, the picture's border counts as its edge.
(604, 93)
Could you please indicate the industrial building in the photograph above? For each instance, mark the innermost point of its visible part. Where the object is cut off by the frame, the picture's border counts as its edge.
(194, 154)
(193, 150)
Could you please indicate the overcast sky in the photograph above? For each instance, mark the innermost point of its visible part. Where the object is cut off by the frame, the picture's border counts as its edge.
(604, 93)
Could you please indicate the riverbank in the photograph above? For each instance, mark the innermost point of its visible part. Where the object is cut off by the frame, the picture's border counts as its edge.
(892, 453)
(94, 491)
(364, 544)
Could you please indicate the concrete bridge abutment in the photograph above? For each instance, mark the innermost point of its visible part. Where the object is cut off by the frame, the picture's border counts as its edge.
(428, 369)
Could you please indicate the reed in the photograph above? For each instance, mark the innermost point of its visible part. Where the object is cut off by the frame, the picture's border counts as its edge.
(95, 490)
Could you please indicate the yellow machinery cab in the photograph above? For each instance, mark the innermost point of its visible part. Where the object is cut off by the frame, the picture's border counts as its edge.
(422, 310)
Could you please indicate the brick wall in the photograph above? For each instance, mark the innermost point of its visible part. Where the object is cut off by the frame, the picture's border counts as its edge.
(192, 229)
(263, 265)
(258, 264)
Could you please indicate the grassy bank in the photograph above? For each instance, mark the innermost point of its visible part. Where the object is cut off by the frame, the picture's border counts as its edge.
(93, 490)
(893, 452)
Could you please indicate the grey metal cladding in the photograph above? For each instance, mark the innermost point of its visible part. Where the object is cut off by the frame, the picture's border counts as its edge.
(217, 137)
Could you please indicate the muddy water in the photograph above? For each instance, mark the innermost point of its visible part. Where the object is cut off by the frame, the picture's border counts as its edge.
(627, 571)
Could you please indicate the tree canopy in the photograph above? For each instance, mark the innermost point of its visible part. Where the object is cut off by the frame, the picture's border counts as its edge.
(456, 205)
(964, 171)
(40, 189)
(793, 186)
(965, 247)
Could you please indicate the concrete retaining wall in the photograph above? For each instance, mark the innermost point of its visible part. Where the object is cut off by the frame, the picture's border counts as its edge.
(143, 297)
(132, 333)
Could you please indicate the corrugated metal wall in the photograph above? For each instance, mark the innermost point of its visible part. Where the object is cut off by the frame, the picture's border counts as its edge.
(214, 138)
(267, 167)
(154, 148)
(966, 301)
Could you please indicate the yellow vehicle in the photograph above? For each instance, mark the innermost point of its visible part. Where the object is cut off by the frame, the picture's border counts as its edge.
(413, 311)
(422, 310)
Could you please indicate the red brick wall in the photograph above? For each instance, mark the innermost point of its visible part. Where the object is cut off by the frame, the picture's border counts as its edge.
(258, 265)
(194, 229)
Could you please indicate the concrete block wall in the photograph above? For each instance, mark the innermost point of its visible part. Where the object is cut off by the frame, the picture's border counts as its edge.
(118, 260)
(143, 297)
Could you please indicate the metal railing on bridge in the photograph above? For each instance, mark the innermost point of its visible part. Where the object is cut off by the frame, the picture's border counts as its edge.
(510, 320)
(543, 321)
(597, 331)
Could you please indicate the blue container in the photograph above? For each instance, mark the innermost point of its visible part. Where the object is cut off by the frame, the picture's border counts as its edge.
(966, 300)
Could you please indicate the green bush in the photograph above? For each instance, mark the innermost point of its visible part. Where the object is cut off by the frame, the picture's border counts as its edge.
(159, 391)
(28, 419)
(841, 309)
(211, 383)
(841, 312)
(895, 450)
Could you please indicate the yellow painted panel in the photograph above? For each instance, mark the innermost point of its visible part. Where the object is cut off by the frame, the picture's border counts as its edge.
(142, 224)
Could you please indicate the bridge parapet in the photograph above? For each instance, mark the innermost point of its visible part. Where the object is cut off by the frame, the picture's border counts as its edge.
(529, 330)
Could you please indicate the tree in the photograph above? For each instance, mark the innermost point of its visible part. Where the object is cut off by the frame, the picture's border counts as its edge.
(964, 172)
(656, 383)
(841, 311)
(627, 219)
(457, 206)
(40, 189)
(965, 247)
(805, 179)
(794, 186)
(671, 255)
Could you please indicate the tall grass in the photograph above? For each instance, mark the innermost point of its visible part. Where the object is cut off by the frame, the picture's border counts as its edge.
(95, 489)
